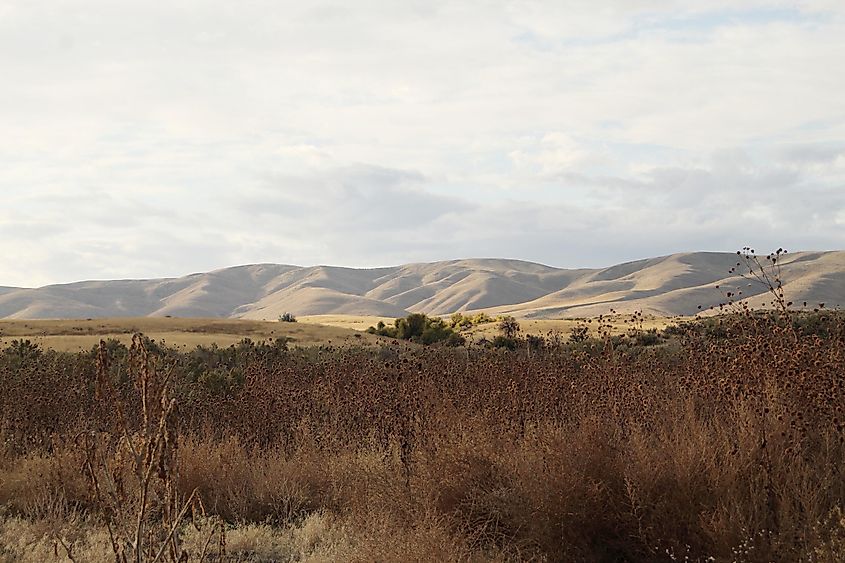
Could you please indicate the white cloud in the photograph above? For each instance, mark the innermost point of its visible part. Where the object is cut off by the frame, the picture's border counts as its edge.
(554, 153)
(303, 132)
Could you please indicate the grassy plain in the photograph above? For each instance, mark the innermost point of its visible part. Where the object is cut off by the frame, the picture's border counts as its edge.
(617, 324)
(352, 322)
(75, 335)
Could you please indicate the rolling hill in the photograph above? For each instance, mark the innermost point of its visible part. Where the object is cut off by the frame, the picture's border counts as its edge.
(668, 285)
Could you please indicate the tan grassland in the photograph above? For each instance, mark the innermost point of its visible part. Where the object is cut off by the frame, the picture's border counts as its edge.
(353, 322)
(75, 335)
(615, 324)
(71, 335)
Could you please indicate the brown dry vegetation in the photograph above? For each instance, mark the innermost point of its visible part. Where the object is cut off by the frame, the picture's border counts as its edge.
(725, 444)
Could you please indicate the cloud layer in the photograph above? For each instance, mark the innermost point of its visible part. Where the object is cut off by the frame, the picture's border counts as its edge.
(144, 140)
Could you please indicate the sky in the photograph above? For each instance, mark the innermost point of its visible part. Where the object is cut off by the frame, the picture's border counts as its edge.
(153, 139)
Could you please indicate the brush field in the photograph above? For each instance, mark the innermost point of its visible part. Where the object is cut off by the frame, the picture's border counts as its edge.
(722, 440)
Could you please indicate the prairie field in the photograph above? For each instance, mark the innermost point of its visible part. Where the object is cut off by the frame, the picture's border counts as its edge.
(74, 335)
(720, 439)
(614, 324)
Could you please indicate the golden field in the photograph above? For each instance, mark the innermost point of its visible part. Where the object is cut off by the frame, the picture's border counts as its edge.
(73, 335)
(77, 335)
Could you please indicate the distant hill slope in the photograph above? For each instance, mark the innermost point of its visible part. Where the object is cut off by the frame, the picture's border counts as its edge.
(668, 285)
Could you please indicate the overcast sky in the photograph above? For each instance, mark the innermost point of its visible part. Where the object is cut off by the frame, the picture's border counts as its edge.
(147, 139)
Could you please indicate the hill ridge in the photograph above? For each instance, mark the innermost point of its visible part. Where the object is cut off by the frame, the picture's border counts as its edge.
(674, 284)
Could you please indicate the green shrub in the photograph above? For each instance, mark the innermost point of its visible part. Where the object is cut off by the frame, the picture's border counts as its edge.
(417, 327)
(465, 322)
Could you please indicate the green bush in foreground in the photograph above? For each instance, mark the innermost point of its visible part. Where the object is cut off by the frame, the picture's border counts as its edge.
(419, 328)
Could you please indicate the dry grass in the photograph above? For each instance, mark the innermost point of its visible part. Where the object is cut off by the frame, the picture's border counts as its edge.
(728, 445)
(317, 538)
(315, 330)
(614, 324)
(353, 322)
(79, 335)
